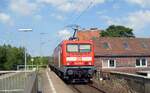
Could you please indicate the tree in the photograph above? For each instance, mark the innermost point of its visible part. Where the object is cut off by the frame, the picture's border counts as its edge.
(117, 31)
(40, 60)
(10, 57)
(2, 56)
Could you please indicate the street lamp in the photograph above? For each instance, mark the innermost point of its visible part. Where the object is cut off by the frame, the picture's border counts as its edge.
(42, 43)
(25, 30)
(25, 54)
(41, 34)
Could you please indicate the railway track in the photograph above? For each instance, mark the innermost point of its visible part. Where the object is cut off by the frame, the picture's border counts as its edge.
(85, 88)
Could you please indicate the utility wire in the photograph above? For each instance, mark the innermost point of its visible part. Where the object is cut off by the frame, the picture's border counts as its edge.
(70, 16)
(85, 10)
(79, 16)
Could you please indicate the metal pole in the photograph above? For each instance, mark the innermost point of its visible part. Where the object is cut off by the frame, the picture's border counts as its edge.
(41, 47)
(41, 43)
(40, 53)
(25, 58)
(32, 62)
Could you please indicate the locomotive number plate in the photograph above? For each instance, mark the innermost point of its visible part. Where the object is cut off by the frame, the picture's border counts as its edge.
(78, 63)
(79, 58)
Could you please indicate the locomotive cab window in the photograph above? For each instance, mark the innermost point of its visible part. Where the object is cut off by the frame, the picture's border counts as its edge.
(72, 48)
(85, 48)
(78, 48)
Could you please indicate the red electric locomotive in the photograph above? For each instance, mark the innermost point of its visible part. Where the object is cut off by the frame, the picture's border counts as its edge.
(74, 60)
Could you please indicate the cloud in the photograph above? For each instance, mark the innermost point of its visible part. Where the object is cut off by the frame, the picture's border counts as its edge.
(142, 3)
(6, 19)
(23, 7)
(28, 7)
(38, 17)
(57, 16)
(137, 20)
(116, 6)
(64, 34)
(112, 21)
(74, 5)
(101, 12)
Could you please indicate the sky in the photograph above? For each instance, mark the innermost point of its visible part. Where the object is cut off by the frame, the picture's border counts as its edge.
(50, 20)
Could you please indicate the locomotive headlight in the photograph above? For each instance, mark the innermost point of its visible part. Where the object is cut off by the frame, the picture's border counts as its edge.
(71, 58)
(86, 58)
(70, 72)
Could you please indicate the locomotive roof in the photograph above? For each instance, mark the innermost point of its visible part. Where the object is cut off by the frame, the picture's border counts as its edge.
(76, 41)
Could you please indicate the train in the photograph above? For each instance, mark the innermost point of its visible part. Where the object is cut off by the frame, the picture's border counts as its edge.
(73, 60)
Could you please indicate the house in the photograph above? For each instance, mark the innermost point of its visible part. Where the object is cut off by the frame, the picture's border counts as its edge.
(88, 34)
(122, 54)
(118, 53)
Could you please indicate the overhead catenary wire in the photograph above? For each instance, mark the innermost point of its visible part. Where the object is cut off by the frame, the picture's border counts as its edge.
(70, 16)
(78, 16)
(84, 11)
(73, 22)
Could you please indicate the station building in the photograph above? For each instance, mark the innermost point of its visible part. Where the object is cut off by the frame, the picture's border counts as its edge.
(119, 53)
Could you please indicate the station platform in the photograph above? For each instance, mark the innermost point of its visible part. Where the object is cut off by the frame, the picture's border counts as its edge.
(51, 83)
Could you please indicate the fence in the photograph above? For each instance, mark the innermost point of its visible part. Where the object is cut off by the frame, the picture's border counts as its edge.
(18, 82)
(31, 67)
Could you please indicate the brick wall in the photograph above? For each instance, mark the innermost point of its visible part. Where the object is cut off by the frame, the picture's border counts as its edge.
(123, 64)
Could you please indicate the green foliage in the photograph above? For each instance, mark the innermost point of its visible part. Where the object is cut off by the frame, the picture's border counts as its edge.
(51, 61)
(117, 31)
(10, 57)
(39, 61)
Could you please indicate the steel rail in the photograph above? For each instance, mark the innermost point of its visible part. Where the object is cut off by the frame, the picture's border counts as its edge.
(79, 89)
(96, 88)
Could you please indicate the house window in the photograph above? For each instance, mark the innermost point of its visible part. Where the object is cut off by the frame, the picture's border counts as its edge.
(126, 45)
(111, 63)
(141, 62)
(144, 45)
(138, 62)
(105, 45)
(93, 38)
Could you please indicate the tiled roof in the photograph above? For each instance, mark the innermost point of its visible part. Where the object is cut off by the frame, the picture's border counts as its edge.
(122, 46)
(88, 34)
